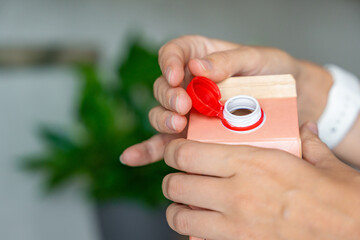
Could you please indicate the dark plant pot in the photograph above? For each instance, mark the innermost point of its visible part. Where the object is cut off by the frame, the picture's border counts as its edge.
(131, 221)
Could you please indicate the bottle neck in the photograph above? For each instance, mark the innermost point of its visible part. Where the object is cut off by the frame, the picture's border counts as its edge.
(242, 102)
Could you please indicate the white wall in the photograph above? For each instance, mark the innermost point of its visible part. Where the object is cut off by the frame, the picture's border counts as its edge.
(322, 31)
(29, 97)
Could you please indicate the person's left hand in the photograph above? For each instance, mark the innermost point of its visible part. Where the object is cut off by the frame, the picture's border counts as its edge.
(243, 192)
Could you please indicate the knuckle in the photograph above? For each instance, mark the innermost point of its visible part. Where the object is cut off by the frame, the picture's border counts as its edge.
(272, 160)
(291, 201)
(198, 36)
(233, 159)
(254, 52)
(150, 150)
(219, 57)
(265, 154)
(181, 222)
(181, 154)
(192, 37)
(281, 53)
(183, 163)
(259, 160)
(170, 150)
(276, 154)
(174, 186)
(172, 45)
(186, 37)
(232, 156)
(176, 44)
(253, 153)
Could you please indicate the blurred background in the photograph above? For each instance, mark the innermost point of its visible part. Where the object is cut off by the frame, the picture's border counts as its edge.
(75, 88)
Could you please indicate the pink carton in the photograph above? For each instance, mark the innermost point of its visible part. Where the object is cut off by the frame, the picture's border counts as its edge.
(276, 96)
(268, 112)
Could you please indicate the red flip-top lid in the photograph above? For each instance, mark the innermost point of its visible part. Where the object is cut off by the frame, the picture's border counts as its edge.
(205, 96)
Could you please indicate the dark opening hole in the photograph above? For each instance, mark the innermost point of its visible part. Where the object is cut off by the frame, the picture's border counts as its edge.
(242, 112)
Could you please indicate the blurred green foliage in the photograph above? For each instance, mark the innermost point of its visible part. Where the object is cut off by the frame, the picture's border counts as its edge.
(112, 116)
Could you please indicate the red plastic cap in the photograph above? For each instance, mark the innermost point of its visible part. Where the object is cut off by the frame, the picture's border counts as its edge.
(205, 96)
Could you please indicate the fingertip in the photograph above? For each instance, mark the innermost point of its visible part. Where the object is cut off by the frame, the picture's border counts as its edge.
(174, 123)
(179, 122)
(168, 74)
(205, 67)
(197, 68)
(183, 103)
(122, 159)
(310, 126)
(164, 186)
(131, 157)
(174, 74)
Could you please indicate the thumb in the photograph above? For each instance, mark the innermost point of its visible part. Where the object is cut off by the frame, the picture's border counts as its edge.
(221, 65)
(314, 150)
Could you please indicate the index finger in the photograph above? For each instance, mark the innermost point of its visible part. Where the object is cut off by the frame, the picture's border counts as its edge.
(205, 158)
(173, 57)
(222, 160)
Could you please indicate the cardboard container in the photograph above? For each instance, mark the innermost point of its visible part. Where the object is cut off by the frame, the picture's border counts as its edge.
(277, 126)
(276, 96)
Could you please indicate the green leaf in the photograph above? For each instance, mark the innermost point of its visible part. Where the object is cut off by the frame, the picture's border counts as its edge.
(140, 65)
(96, 108)
(56, 138)
(112, 116)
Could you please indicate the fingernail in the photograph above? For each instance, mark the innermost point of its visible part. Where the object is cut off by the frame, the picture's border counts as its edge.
(313, 127)
(173, 102)
(205, 64)
(177, 104)
(122, 158)
(170, 123)
(168, 73)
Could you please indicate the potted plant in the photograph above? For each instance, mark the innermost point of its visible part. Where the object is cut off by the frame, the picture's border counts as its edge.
(111, 115)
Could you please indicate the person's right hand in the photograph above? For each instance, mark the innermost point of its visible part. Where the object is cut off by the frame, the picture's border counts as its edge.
(189, 56)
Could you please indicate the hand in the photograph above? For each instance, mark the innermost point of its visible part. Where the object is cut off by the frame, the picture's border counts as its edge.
(245, 192)
(188, 56)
